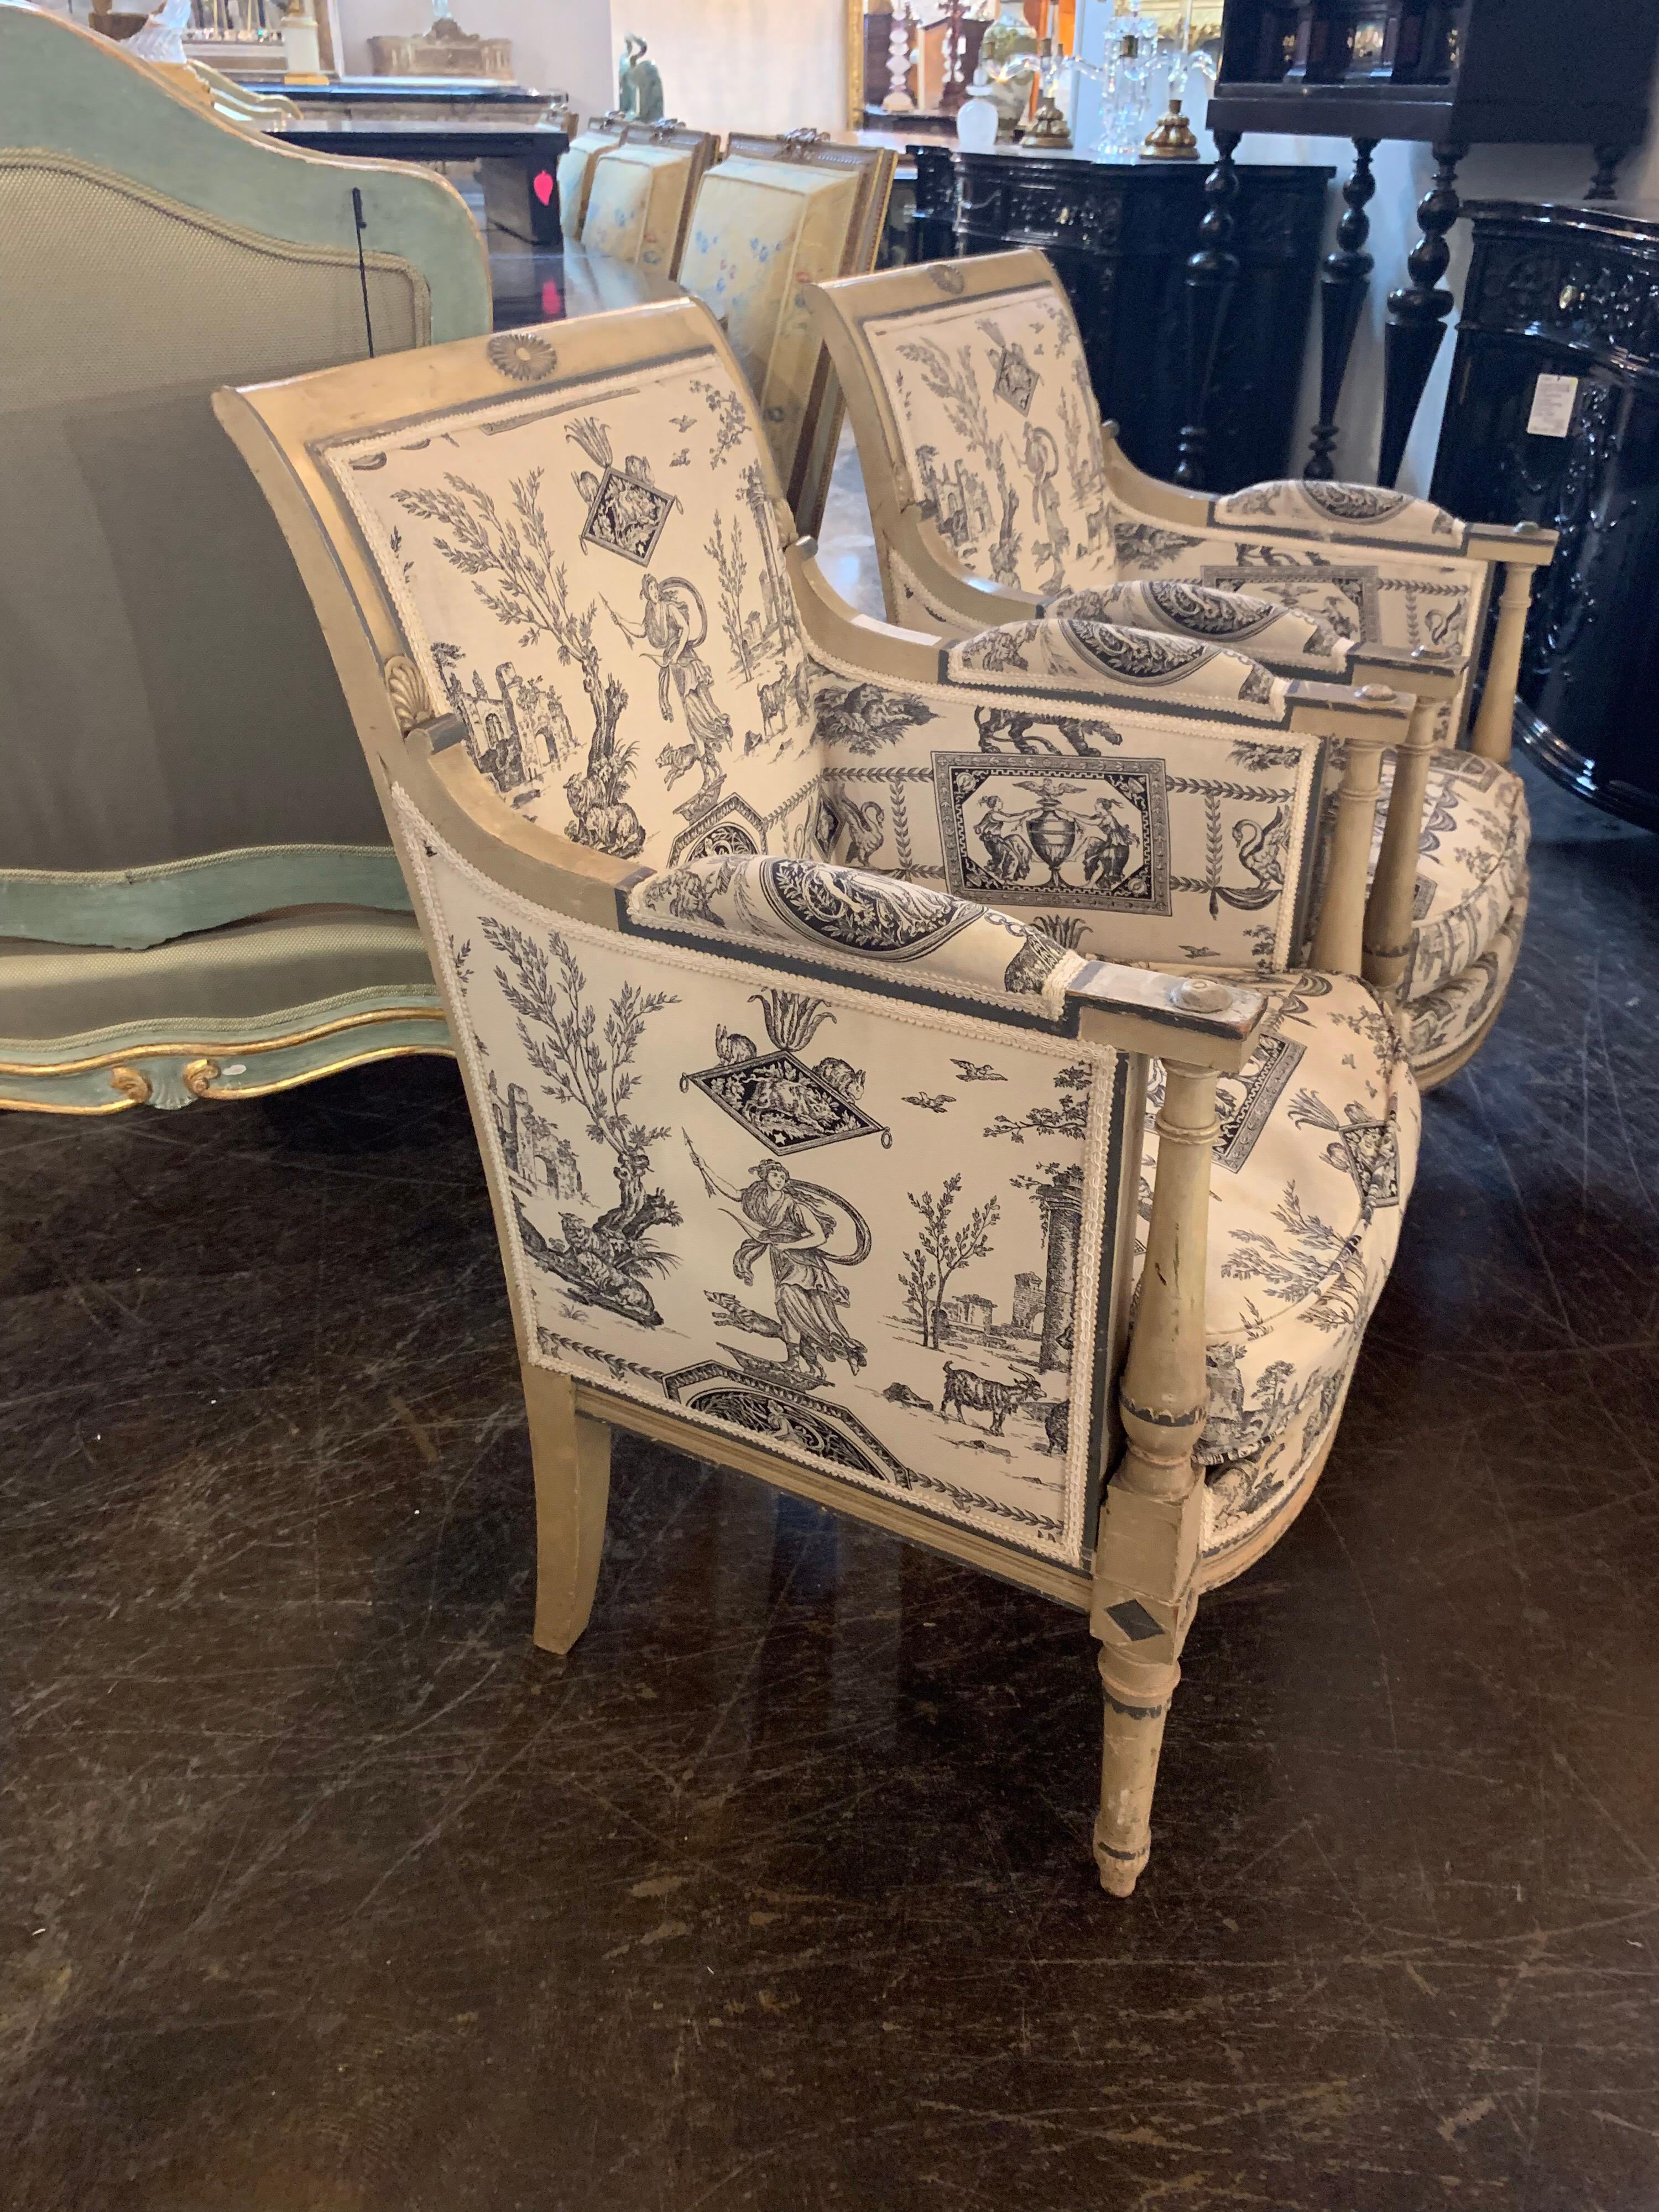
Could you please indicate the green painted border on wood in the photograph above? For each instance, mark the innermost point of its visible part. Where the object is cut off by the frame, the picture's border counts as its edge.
(98, 104)
(130, 908)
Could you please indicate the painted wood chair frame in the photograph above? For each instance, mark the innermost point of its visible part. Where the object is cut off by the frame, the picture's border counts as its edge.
(807, 484)
(1509, 558)
(933, 586)
(143, 966)
(1142, 1584)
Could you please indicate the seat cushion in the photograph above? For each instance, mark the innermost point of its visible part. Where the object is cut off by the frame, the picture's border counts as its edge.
(1471, 868)
(1441, 1027)
(1314, 1161)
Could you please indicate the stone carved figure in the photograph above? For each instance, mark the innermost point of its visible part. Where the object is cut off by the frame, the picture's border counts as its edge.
(639, 82)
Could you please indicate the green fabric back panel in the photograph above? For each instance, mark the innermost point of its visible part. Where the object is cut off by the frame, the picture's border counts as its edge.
(164, 688)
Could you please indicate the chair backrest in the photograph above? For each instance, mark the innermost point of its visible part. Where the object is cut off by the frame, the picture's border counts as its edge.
(970, 392)
(641, 193)
(164, 690)
(592, 579)
(575, 174)
(776, 215)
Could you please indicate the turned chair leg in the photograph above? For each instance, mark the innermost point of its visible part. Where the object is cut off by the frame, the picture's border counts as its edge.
(1494, 724)
(571, 1456)
(1146, 1555)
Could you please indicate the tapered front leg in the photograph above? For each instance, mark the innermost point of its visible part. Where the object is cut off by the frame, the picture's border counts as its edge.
(571, 1456)
(1146, 1552)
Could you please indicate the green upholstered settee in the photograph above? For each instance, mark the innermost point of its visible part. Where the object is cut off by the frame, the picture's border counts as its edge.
(196, 897)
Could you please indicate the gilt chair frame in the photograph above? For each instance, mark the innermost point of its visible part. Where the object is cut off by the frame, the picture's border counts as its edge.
(1146, 1567)
(904, 526)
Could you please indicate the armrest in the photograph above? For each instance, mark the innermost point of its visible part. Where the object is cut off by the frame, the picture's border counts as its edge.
(875, 925)
(1282, 638)
(959, 600)
(1092, 661)
(1068, 657)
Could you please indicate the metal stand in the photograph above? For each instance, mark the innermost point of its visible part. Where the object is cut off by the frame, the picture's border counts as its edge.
(1212, 274)
(1418, 313)
(1343, 283)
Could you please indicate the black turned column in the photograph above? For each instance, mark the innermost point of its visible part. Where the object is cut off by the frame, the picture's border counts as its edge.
(1344, 282)
(1604, 185)
(1212, 274)
(1418, 313)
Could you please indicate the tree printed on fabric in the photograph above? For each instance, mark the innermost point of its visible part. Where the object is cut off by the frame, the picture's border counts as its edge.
(511, 561)
(959, 500)
(604, 1262)
(940, 1252)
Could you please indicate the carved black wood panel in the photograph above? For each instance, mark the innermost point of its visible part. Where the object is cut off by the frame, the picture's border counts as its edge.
(1119, 236)
(1571, 291)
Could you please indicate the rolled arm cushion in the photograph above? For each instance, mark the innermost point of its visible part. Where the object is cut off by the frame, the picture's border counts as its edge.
(1083, 655)
(870, 923)
(1343, 510)
(1239, 620)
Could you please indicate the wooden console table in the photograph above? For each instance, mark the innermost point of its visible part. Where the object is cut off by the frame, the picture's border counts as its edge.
(1122, 236)
(1571, 292)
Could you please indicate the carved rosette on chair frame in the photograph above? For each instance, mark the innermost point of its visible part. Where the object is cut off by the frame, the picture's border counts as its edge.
(783, 956)
(996, 492)
(196, 898)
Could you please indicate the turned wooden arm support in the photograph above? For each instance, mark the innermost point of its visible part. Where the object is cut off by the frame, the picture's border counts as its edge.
(1517, 554)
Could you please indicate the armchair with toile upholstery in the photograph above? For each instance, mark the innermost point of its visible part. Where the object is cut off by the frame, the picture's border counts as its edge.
(995, 493)
(785, 960)
(197, 896)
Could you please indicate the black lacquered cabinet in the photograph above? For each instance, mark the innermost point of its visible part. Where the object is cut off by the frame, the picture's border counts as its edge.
(1120, 236)
(1571, 292)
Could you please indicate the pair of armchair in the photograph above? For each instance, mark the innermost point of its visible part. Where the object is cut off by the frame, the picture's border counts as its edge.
(197, 896)
(626, 189)
(831, 1133)
(997, 494)
(746, 236)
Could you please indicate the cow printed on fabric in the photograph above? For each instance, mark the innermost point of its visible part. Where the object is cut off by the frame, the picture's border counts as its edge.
(866, 922)
(868, 1235)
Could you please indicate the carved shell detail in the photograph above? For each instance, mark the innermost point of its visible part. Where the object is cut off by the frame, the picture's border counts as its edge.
(406, 688)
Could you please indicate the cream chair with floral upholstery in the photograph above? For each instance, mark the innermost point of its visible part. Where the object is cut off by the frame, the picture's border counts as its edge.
(641, 192)
(196, 896)
(995, 493)
(776, 215)
(808, 1086)
(575, 172)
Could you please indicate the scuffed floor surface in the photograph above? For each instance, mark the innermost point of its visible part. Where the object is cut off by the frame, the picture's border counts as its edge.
(324, 1893)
